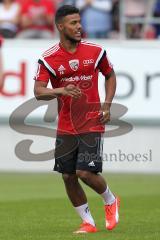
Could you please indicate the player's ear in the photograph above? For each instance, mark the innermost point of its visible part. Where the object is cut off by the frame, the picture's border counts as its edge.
(60, 27)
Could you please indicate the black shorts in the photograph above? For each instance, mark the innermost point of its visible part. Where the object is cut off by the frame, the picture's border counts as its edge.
(79, 152)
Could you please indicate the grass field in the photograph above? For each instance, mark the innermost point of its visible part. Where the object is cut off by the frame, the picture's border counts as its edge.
(35, 207)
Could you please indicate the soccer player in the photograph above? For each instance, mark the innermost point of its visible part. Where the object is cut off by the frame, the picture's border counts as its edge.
(1, 68)
(72, 66)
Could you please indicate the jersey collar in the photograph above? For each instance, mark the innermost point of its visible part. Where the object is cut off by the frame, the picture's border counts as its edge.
(64, 50)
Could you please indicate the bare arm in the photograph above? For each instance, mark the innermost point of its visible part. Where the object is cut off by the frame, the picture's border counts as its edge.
(41, 91)
(83, 4)
(105, 5)
(110, 88)
(26, 21)
(15, 19)
(49, 20)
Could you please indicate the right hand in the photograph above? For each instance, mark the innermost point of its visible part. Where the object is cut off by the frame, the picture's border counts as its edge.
(72, 91)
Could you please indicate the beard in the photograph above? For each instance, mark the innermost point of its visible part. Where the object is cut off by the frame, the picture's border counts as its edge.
(71, 39)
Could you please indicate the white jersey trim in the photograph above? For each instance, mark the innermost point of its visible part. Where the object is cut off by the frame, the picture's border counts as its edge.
(50, 49)
(38, 71)
(91, 44)
(50, 52)
(99, 57)
(48, 66)
(98, 46)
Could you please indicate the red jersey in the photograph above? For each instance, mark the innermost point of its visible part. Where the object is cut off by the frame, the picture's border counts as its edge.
(1, 41)
(32, 8)
(80, 68)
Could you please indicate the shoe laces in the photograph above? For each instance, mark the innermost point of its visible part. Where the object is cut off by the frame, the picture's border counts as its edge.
(109, 211)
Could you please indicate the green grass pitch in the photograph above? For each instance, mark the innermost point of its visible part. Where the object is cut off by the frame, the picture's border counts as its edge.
(35, 207)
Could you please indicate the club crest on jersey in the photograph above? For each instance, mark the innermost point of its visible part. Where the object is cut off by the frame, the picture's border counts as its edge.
(74, 64)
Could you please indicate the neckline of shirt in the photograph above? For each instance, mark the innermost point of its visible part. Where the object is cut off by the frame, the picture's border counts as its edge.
(70, 53)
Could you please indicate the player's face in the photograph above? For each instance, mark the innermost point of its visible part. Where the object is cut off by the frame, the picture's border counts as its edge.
(71, 27)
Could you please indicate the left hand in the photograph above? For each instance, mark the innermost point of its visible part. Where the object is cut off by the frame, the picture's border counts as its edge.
(105, 114)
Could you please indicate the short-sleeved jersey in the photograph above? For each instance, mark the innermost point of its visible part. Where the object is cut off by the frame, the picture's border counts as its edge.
(80, 68)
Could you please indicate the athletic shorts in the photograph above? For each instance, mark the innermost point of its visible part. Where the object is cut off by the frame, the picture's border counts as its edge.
(79, 152)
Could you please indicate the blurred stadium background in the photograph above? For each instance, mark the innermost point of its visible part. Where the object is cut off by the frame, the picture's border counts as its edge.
(32, 197)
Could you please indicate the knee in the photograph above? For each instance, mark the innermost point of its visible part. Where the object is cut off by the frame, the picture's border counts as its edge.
(83, 175)
(69, 178)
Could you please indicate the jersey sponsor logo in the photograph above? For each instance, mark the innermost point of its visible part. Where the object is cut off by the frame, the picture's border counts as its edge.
(77, 78)
(61, 69)
(87, 62)
(74, 64)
